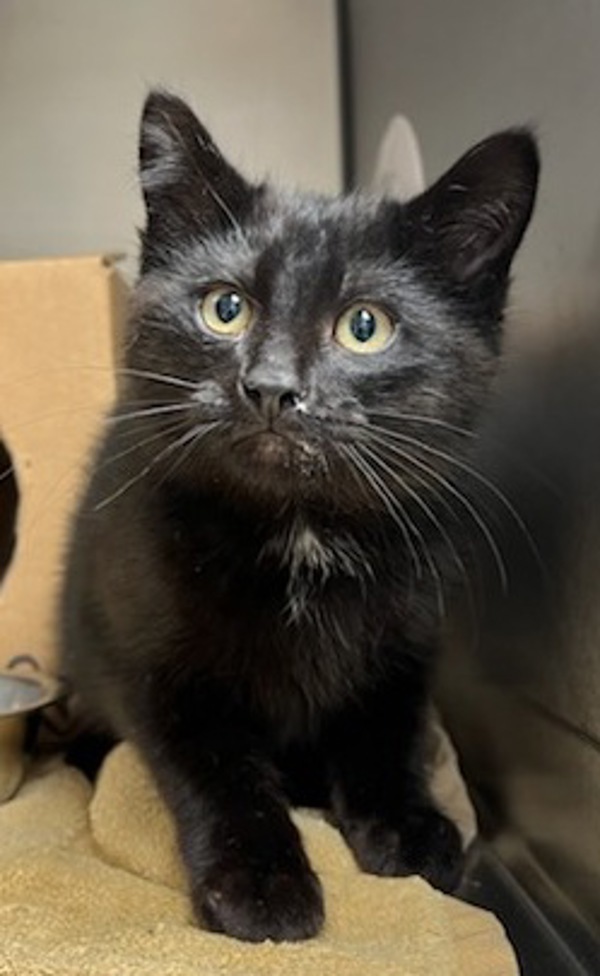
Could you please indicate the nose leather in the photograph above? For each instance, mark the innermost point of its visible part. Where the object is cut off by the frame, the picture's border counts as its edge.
(270, 396)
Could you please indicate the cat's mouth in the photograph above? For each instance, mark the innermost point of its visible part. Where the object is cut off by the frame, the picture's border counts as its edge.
(272, 448)
(265, 445)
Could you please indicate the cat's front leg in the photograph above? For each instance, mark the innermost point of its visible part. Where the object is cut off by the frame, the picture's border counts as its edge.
(248, 873)
(379, 793)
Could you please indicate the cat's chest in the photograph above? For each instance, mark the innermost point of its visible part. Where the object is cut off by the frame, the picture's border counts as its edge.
(295, 593)
(290, 620)
(313, 648)
(314, 568)
(286, 570)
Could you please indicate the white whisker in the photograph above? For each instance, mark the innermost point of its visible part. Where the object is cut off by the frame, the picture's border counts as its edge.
(423, 419)
(156, 377)
(481, 479)
(163, 432)
(380, 490)
(406, 488)
(424, 506)
(200, 431)
(149, 412)
(180, 442)
(485, 530)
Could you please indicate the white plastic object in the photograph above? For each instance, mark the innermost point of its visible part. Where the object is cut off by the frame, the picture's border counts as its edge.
(399, 169)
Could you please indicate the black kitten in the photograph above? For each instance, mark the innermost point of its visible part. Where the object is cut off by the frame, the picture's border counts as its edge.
(254, 585)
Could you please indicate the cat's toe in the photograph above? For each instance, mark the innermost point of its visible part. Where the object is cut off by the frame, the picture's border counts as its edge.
(432, 847)
(423, 842)
(254, 905)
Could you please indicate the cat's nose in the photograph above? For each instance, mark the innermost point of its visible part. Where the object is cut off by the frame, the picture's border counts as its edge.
(270, 397)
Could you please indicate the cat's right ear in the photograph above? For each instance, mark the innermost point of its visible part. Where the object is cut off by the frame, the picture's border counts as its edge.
(189, 189)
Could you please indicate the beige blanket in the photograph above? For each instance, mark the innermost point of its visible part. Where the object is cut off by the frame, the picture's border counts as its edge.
(91, 885)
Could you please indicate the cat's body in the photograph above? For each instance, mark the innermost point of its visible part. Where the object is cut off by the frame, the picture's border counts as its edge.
(258, 568)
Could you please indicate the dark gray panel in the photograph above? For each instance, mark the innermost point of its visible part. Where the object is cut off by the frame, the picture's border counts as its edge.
(520, 685)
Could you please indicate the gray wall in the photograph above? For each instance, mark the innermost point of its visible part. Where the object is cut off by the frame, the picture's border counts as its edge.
(461, 69)
(73, 74)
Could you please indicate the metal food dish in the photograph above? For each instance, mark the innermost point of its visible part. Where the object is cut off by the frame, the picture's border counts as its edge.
(21, 694)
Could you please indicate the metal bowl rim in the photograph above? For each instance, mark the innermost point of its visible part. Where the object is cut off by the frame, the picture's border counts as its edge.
(50, 689)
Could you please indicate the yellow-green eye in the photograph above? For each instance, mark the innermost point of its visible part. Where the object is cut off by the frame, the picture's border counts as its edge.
(364, 328)
(225, 311)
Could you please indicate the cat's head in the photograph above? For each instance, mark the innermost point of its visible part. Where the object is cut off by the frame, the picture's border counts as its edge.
(308, 344)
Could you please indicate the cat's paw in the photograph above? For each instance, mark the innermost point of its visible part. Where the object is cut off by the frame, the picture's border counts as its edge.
(423, 842)
(256, 903)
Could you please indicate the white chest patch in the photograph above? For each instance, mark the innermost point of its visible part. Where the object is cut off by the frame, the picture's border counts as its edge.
(310, 562)
(300, 550)
(306, 550)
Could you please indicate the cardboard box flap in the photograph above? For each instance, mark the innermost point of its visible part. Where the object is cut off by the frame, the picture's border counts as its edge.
(60, 320)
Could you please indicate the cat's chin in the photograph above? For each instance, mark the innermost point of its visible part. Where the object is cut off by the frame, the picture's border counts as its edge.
(266, 448)
(272, 464)
(271, 452)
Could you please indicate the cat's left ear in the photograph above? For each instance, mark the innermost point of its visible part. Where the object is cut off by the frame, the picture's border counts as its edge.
(473, 218)
(188, 186)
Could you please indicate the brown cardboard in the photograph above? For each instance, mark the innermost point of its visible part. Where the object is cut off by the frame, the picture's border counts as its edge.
(58, 323)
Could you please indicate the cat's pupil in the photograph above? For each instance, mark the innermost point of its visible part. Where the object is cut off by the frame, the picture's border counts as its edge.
(363, 325)
(228, 306)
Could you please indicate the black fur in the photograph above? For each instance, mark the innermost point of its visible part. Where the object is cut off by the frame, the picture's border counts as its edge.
(258, 608)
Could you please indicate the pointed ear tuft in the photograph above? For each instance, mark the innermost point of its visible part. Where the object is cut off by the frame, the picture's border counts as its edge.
(473, 218)
(186, 182)
(162, 146)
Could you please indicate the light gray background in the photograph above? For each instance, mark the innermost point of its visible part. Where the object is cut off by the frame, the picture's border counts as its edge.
(263, 74)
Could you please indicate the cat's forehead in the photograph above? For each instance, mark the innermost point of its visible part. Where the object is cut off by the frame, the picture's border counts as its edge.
(354, 220)
(302, 232)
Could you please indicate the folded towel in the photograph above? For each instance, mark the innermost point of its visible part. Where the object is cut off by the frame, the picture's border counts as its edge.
(91, 885)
